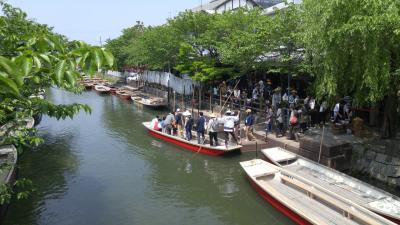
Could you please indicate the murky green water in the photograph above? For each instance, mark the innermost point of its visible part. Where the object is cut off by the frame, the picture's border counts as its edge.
(104, 168)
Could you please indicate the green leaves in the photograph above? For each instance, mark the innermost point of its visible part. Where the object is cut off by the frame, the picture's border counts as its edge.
(59, 72)
(8, 86)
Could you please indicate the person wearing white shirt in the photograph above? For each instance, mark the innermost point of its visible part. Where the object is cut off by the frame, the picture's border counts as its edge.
(229, 125)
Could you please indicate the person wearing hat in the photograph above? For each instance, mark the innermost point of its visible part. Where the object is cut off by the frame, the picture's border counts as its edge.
(248, 123)
(169, 122)
(293, 98)
(276, 97)
(229, 125)
(212, 128)
(179, 122)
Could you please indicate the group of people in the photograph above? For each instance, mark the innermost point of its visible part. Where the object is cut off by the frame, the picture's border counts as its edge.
(177, 122)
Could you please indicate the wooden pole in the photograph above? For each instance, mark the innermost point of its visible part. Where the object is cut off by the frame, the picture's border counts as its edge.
(211, 94)
(184, 96)
(192, 103)
(220, 98)
(174, 100)
(199, 106)
(320, 146)
(228, 97)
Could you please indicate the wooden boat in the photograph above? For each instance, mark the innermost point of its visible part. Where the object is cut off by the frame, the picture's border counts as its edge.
(361, 193)
(191, 145)
(113, 90)
(101, 89)
(303, 202)
(8, 156)
(88, 85)
(124, 94)
(152, 102)
(8, 172)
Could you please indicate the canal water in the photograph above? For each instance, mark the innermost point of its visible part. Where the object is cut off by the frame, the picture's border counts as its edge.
(104, 169)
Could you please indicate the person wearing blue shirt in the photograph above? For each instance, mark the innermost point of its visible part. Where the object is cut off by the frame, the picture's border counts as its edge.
(201, 127)
(249, 121)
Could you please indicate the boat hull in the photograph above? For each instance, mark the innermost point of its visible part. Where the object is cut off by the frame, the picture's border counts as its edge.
(279, 206)
(187, 146)
(103, 92)
(125, 97)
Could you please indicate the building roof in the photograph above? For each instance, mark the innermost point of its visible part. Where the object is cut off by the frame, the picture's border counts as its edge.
(213, 5)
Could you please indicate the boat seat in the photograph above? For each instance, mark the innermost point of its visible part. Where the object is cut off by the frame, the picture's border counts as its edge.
(348, 210)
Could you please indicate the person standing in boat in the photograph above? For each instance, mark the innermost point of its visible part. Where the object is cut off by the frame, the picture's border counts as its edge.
(168, 122)
(229, 124)
(179, 122)
(212, 128)
(188, 125)
(201, 128)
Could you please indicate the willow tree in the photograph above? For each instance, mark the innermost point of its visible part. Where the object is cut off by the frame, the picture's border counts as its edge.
(354, 48)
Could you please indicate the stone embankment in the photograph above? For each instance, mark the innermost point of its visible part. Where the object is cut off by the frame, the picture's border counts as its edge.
(379, 159)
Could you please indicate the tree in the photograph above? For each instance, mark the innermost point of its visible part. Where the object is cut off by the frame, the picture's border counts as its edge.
(353, 47)
(33, 57)
(121, 47)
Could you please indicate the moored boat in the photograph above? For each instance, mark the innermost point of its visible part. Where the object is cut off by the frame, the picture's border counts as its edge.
(8, 172)
(113, 90)
(152, 102)
(361, 193)
(124, 94)
(101, 89)
(303, 202)
(191, 145)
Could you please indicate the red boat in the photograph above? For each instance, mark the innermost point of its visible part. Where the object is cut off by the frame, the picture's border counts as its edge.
(191, 145)
(302, 201)
(113, 90)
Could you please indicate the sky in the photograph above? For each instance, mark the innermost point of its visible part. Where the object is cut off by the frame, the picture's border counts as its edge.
(88, 20)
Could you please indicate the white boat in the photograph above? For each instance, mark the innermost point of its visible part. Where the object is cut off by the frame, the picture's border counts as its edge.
(149, 101)
(101, 89)
(302, 201)
(8, 159)
(361, 193)
(14, 127)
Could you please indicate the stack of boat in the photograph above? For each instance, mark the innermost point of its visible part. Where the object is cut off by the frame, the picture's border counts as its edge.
(90, 83)
(310, 193)
(150, 101)
(126, 92)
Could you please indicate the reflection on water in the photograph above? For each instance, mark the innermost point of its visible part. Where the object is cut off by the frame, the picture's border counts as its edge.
(104, 168)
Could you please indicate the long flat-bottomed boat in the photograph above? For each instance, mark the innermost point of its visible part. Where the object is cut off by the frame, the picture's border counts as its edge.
(361, 193)
(124, 94)
(101, 89)
(151, 102)
(191, 145)
(8, 172)
(303, 202)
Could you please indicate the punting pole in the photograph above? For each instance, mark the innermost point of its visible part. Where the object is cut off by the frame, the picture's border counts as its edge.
(320, 146)
(228, 97)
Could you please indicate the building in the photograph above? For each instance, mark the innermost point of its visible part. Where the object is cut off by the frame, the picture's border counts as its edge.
(219, 6)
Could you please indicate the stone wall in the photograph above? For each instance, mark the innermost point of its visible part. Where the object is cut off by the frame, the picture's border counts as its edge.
(379, 159)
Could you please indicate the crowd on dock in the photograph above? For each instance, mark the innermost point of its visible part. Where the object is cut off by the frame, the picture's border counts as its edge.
(284, 110)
